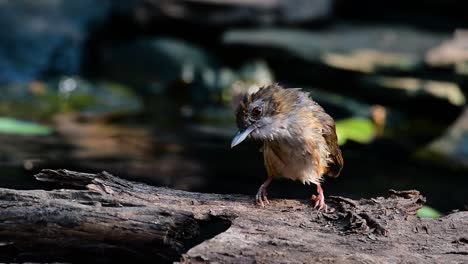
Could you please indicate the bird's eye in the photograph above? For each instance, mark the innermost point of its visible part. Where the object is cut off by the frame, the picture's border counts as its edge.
(256, 111)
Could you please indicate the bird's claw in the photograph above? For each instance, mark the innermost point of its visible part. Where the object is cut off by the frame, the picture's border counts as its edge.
(261, 197)
(319, 202)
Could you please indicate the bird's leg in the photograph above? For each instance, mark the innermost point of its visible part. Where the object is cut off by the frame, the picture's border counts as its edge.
(320, 199)
(261, 197)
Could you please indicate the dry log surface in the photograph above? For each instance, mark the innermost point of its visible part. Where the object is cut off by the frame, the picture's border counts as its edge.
(103, 218)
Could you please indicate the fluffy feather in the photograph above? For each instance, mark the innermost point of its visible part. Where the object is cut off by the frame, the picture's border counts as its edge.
(294, 127)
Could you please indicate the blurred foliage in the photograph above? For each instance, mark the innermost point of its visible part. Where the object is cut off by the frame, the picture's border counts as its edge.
(428, 212)
(17, 127)
(357, 129)
(44, 99)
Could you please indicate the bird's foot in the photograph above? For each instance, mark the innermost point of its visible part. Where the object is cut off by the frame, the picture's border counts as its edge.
(261, 197)
(319, 202)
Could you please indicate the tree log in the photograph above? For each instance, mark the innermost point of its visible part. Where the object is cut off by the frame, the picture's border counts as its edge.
(102, 218)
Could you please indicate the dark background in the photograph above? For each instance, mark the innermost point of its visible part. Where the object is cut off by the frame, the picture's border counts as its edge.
(145, 89)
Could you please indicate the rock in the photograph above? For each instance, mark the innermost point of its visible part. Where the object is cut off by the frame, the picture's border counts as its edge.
(339, 106)
(187, 73)
(453, 145)
(436, 14)
(352, 48)
(157, 63)
(435, 103)
(370, 61)
(228, 13)
(361, 62)
(450, 52)
(414, 87)
(45, 36)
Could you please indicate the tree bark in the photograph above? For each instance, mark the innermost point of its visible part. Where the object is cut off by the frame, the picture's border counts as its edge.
(102, 218)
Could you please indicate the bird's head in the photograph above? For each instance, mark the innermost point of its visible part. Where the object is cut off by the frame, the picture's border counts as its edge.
(264, 113)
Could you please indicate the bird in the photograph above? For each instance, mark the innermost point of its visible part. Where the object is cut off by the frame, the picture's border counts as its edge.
(299, 137)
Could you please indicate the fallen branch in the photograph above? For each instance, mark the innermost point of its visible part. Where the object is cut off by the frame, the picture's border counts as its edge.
(102, 218)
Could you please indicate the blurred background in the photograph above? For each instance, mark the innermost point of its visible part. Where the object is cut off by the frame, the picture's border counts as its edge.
(145, 89)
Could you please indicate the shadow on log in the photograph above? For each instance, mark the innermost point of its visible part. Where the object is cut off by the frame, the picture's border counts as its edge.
(101, 218)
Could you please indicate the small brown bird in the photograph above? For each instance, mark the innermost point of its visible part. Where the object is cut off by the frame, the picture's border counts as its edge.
(299, 138)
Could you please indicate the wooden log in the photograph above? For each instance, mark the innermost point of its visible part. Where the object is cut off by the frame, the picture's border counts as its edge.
(102, 218)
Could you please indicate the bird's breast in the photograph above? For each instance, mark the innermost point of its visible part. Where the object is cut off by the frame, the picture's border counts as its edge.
(293, 161)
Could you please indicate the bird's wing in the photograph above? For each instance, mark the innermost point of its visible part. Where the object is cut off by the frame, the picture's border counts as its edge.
(331, 139)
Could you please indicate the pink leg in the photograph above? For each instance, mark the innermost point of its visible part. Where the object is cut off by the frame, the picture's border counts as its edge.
(261, 197)
(320, 199)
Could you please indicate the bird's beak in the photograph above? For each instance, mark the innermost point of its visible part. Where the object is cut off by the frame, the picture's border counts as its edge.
(241, 135)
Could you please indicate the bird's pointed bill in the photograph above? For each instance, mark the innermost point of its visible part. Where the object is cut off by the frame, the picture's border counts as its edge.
(241, 135)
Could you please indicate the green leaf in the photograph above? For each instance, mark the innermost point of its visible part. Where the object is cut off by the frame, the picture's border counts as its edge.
(358, 129)
(14, 126)
(428, 212)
